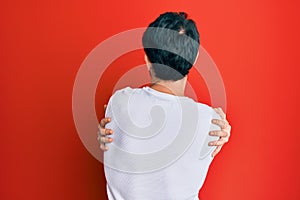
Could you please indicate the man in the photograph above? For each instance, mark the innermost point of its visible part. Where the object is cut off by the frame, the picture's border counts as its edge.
(160, 146)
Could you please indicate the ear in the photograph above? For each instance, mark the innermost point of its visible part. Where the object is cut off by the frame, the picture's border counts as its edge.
(147, 62)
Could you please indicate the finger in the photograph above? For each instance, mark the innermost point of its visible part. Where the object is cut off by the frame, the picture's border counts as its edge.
(218, 133)
(216, 151)
(103, 147)
(221, 123)
(105, 140)
(103, 122)
(221, 113)
(219, 142)
(105, 106)
(105, 132)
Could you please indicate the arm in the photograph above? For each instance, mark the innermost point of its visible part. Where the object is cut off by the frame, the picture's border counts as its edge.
(224, 133)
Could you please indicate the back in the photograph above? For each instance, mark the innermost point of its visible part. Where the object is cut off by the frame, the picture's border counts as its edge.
(160, 149)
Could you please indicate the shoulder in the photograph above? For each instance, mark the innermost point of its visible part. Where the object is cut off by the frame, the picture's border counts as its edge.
(125, 93)
(209, 109)
(203, 108)
(206, 113)
(123, 97)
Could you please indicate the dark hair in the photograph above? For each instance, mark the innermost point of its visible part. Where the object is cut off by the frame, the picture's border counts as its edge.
(171, 43)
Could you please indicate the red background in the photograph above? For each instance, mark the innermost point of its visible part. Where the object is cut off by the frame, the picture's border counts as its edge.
(254, 43)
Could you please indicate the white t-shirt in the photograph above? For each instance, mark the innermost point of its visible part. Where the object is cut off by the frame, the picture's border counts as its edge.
(160, 146)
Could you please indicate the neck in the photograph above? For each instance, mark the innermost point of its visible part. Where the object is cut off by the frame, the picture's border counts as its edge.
(169, 87)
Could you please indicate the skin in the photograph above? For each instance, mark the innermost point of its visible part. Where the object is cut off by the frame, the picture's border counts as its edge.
(173, 88)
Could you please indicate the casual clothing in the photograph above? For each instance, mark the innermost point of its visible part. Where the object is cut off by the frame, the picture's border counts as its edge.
(160, 146)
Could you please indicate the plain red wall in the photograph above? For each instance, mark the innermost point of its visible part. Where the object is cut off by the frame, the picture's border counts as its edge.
(254, 43)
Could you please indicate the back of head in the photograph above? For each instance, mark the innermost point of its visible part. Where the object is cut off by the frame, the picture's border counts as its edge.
(171, 44)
